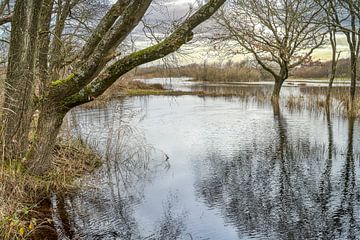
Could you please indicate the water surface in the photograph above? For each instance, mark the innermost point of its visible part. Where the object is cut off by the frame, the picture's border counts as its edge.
(215, 168)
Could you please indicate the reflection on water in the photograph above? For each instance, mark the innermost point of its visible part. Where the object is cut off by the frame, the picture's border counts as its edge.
(215, 168)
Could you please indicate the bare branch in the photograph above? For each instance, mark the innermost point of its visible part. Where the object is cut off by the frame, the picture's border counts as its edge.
(5, 19)
(180, 36)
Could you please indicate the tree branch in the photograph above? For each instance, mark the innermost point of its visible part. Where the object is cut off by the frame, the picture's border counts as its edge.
(102, 28)
(172, 43)
(102, 53)
(5, 19)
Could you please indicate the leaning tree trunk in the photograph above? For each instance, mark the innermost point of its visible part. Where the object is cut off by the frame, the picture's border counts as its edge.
(84, 83)
(19, 83)
(40, 155)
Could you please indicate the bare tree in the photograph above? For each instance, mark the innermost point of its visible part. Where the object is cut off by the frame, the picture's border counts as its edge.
(36, 45)
(335, 55)
(279, 34)
(344, 15)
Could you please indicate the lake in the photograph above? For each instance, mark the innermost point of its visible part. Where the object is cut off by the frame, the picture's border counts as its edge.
(216, 168)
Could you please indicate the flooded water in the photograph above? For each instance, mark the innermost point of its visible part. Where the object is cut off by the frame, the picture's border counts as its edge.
(214, 168)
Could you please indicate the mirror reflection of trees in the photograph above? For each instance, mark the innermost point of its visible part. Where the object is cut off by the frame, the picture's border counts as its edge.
(344, 221)
(285, 186)
(103, 209)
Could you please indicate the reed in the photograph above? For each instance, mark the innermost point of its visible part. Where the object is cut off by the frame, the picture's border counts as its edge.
(22, 195)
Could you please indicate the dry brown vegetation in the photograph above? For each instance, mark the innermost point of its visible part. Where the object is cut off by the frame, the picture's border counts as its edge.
(127, 83)
(24, 198)
(322, 70)
(243, 72)
(215, 72)
(314, 100)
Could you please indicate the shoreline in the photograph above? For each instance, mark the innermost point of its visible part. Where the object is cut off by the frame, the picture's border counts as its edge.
(25, 208)
(31, 215)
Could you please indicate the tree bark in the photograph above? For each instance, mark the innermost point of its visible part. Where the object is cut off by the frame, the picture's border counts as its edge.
(276, 108)
(60, 95)
(44, 46)
(277, 88)
(40, 155)
(19, 81)
(334, 61)
(353, 74)
(353, 42)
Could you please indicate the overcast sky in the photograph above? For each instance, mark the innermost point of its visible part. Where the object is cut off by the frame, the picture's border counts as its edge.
(168, 11)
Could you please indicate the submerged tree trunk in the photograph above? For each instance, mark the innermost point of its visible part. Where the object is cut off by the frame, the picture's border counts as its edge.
(353, 75)
(354, 44)
(277, 88)
(276, 108)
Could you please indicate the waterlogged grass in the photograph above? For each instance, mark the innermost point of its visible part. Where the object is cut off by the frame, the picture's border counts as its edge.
(144, 92)
(139, 88)
(310, 98)
(149, 92)
(23, 197)
(314, 100)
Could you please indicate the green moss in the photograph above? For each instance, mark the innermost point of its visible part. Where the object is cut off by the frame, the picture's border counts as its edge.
(59, 82)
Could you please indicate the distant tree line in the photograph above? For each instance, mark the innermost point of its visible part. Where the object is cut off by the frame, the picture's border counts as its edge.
(212, 72)
(244, 71)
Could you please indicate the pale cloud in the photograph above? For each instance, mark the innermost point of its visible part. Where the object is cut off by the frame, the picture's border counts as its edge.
(168, 11)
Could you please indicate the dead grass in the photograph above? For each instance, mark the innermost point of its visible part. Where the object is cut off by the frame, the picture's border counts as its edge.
(310, 98)
(215, 72)
(314, 99)
(126, 84)
(21, 194)
(150, 92)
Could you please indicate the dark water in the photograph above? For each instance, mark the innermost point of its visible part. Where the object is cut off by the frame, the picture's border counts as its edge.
(214, 168)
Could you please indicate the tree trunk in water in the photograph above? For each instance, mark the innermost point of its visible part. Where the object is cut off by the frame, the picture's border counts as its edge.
(18, 97)
(353, 84)
(276, 108)
(39, 156)
(276, 90)
(328, 95)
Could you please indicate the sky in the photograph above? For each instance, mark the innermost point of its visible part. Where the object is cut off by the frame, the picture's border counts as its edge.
(164, 12)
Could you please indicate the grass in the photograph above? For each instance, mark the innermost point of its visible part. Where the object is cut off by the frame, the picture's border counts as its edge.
(244, 71)
(24, 197)
(126, 85)
(216, 72)
(24, 205)
(310, 98)
(149, 92)
(166, 92)
(129, 87)
(314, 99)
